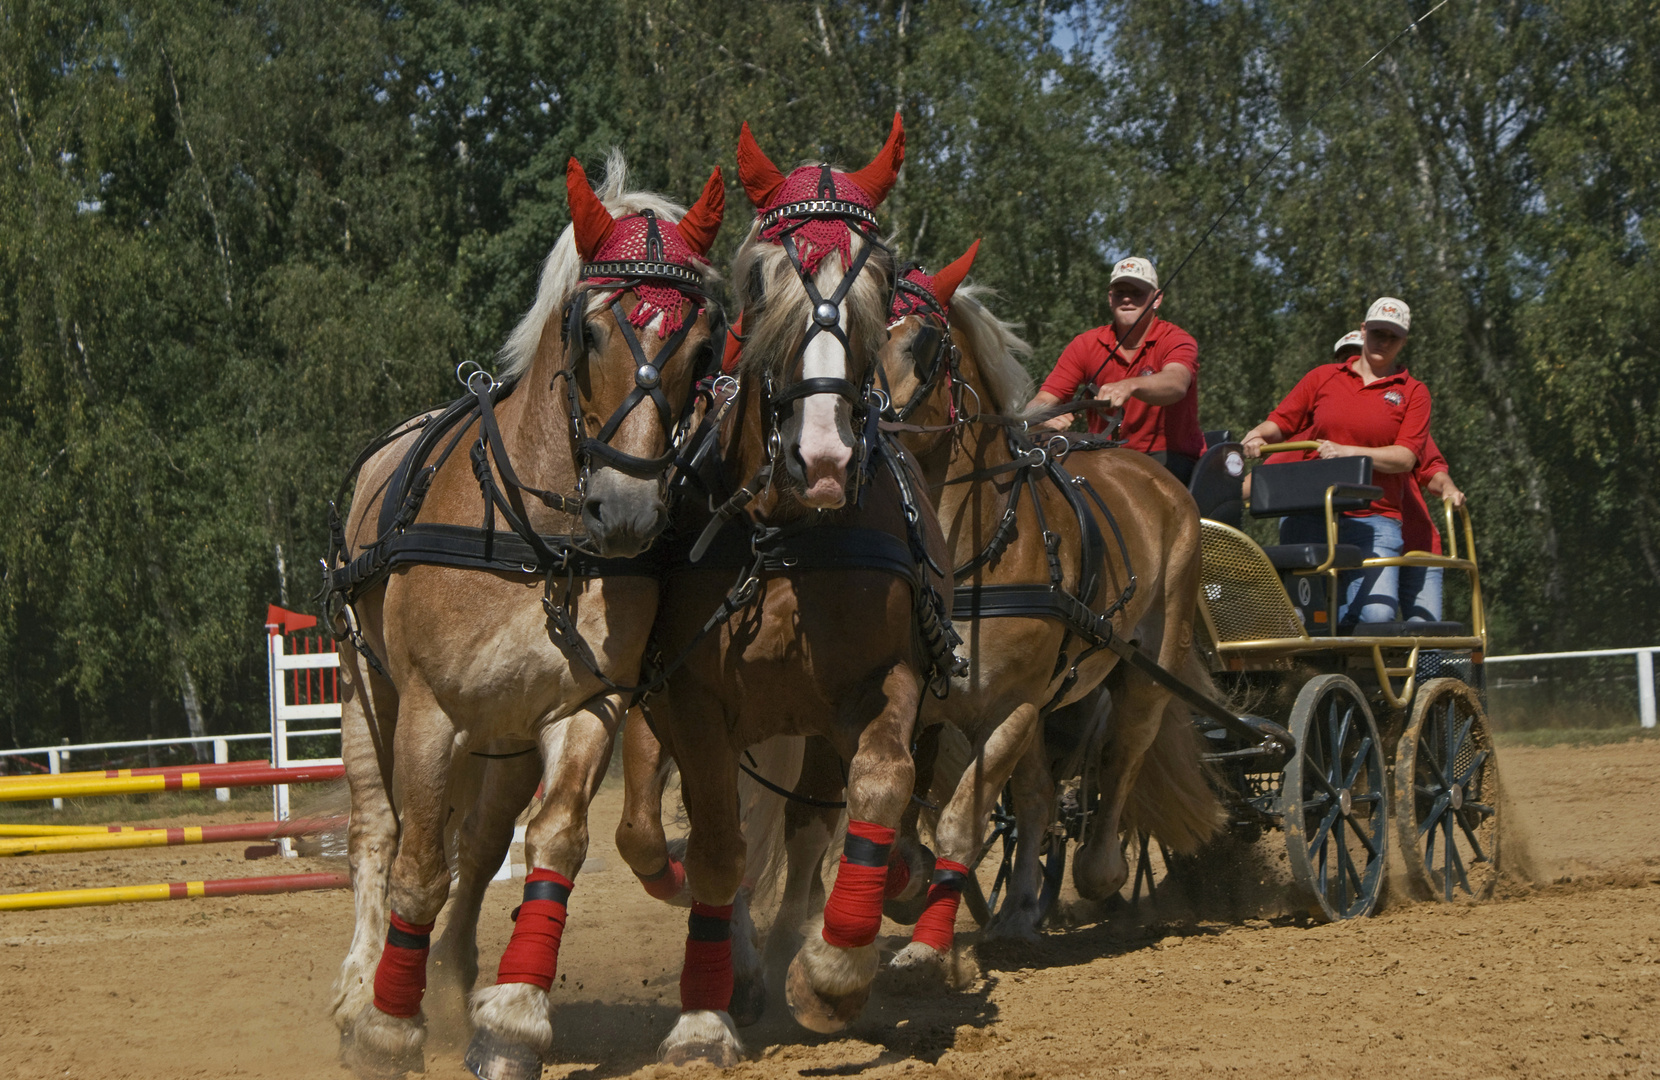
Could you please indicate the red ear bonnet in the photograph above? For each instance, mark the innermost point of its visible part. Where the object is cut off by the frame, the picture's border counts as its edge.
(877, 178)
(761, 178)
(592, 222)
(702, 221)
(947, 280)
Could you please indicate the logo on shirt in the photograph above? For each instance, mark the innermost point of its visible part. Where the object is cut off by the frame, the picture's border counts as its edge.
(1393, 397)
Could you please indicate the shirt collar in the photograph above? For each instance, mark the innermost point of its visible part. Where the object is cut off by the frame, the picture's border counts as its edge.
(1397, 379)
(1108, 335)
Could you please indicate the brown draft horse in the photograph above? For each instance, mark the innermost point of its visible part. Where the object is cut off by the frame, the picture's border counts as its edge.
(832, 642)
(945, 348)
(452, 655)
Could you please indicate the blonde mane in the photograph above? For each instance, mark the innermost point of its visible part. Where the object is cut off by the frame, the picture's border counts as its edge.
(776, 308)
(1000, 352)
(559, 272)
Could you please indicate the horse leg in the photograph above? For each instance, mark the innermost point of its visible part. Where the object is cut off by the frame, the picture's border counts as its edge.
(911, 863)
(513, 1017)
(1099, 869)
(505, 787)
(959, 836)
(640, 838)
(715, 856)
(367, 723)
(1034, 810)
(807, 832)
(384, 1038)
(829, 980)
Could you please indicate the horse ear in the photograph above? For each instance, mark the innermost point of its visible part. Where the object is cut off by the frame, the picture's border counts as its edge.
(592, 221)
(702, 221)
(761, 178)
(877, 178)
(947, 280)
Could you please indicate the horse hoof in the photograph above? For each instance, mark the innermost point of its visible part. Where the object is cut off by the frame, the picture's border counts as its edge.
(491, 1057)
(714, 1052)
(749, 1001)
(368, 1065)
(906, 912)
(819, 1012)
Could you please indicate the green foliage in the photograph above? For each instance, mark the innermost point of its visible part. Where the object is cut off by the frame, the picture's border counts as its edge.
(236, 240)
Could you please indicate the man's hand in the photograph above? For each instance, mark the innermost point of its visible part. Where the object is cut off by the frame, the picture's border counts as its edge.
(1117, 392)
(1057, 423)
(1253, 446)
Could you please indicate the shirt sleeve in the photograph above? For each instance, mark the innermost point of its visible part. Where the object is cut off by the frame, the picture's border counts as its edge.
(1296, 411)
(1414, 432)
(1430, 462)
(1184, 351)
(1070, 370)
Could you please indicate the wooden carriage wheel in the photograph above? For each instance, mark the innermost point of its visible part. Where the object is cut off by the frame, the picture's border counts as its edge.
(1333, 799)
(1447, 794)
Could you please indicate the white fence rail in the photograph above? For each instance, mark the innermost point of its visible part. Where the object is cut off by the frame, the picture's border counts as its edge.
(1645, 672)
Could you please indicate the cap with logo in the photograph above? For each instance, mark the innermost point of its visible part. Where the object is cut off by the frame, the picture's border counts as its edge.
(1134, 269)
(1388, 311)
(1350, 341)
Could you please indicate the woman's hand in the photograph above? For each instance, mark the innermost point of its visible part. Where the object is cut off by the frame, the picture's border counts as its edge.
(1253, 445)
(1329, 449)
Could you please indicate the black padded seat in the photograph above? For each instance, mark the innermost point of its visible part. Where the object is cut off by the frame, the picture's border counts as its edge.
(1308, 556)
(1409, 629)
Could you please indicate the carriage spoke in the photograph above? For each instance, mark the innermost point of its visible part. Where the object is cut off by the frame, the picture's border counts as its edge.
(1350, 873)
(1361, 759)
(1455, 863)
(1442, 801)
(1325, 827)
(1481, 808)
(1469, 834)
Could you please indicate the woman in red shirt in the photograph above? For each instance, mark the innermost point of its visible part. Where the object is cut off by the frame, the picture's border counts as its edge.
(1365, 406)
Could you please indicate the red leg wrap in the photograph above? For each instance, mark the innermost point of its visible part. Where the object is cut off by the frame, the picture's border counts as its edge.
(853, 913)
(937, 926)
(532, 953)
(667, 882)
(706, 978)
(899, 876)
(401, 975)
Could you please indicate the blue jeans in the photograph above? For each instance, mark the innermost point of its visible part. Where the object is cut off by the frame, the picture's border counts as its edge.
(1421, 593)
(1368, 595)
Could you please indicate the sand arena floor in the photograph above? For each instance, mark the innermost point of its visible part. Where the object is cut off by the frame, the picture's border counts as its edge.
(1559, 975)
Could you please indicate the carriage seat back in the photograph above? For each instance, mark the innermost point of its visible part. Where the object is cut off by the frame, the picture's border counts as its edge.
(1218, 482)
(1299, 487)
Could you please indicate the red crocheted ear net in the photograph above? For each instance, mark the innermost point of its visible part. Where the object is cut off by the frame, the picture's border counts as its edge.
(590, 220)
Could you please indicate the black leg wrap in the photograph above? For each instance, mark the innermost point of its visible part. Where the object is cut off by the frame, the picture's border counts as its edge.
(862, 852)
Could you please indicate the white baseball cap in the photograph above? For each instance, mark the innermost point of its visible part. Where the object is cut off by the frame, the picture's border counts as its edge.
(1388, 311)
(1134, 269)
(1352, 340)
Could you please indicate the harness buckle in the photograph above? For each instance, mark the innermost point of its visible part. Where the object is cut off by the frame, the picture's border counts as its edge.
(465, 376)
(1065, 447)
(880, 396)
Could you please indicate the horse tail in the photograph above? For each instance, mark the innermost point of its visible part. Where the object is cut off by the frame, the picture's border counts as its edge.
(1175, 796)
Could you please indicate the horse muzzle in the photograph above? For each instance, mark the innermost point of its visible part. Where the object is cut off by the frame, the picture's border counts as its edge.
(623, 514)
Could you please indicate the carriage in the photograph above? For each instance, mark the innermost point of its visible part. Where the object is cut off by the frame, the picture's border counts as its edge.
(1389, 740)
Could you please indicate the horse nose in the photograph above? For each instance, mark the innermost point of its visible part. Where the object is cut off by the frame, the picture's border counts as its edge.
(622, 527)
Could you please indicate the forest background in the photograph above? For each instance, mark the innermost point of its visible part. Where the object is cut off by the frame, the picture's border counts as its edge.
(238, 239)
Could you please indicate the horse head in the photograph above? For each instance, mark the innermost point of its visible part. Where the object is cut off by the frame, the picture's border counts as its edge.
(626, 285)
(919, 359)
(813, 281)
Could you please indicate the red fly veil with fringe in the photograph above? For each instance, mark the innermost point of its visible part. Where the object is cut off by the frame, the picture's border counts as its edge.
(815, 238)
(603, 238)
(940, 287)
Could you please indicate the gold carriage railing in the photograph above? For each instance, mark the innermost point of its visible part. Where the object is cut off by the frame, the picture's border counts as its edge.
(1249, 615)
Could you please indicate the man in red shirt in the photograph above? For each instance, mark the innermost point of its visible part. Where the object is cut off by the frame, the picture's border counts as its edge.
(1141, 364)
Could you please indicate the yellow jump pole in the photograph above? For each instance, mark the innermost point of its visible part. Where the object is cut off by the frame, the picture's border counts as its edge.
(193, 834)
(65, 830)
(174, 890)
(186, 781)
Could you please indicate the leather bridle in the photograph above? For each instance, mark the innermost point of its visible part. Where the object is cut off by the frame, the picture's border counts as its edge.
(943, 362)
(619, 276)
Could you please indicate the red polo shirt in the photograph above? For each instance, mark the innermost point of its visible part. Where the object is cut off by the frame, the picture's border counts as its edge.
(1331, 402)
(1417, 522)
(1148, 428)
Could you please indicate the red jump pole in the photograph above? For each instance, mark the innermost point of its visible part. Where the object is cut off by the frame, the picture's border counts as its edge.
(174, 890)
(190, 834)
(192, 780)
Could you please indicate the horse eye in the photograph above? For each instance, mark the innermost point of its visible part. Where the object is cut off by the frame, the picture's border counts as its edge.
(590, 340)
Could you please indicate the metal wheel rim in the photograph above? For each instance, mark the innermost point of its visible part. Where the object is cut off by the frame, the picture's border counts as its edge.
(1338, 846)
(1446, 756)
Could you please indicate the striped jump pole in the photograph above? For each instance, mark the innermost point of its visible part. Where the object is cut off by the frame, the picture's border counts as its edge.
(189, 834)
(193, 780)
(49, 779)
(66, 830)
(174, 890)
